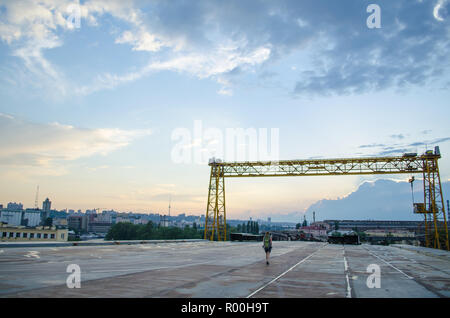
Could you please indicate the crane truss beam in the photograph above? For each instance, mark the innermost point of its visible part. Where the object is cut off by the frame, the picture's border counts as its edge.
(437, 232)
(325, 167)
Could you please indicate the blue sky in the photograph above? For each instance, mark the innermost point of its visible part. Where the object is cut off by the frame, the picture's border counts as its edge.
(88, 112)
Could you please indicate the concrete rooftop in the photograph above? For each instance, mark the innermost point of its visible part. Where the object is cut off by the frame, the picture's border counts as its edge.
(224, 269)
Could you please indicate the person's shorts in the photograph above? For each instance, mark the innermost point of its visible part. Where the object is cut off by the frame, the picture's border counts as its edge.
(268, 249)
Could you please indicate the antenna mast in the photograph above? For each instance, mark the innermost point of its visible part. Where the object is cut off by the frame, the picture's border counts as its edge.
(37, 198)
(170, 200)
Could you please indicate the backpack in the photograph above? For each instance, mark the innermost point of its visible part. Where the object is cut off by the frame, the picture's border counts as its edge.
(267, 240)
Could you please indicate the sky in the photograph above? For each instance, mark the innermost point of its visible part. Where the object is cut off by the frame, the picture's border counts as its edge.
(119, 104)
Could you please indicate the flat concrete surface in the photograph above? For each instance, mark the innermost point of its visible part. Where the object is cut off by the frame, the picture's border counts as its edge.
(225, 269)
(5, 244)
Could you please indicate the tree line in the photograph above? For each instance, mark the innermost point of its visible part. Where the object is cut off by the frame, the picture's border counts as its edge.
(150, 231)
(251, 227)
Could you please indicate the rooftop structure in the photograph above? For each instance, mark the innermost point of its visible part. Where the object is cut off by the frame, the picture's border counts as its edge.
(185, 270)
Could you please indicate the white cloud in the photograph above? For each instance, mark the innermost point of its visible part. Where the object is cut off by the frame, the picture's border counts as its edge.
(216, 62)
(208, 39)
(202, 65)
(44, 145)
(31, 27)
(143, 41)
(225, 91)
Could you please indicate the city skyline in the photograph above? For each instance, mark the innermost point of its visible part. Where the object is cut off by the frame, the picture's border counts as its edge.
(93, 93)
(373, 200)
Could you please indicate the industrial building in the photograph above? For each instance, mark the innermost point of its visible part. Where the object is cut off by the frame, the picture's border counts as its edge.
(28, 217)
(9, 233)
(364, 225)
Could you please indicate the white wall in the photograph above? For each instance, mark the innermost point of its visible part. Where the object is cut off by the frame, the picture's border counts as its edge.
(11, 217)
(34, 218)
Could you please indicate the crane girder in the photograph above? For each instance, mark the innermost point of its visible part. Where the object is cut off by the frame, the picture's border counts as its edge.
(427, 165)
(324, 167)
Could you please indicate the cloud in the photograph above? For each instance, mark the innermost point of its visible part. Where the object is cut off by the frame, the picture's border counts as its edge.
(45, 145)
(372, 146)
(401, 148)
(381, 199)
(223, 60)
(409, 50)
(143, 41)
(213, 64)
(32, 27)
(397, 136)
(337, 52)
(393, 151)
(429, 142)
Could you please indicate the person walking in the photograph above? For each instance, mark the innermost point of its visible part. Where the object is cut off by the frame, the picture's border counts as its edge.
(267, 245)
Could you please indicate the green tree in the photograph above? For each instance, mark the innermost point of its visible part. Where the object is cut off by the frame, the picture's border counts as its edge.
(150, 231)
(122, 231)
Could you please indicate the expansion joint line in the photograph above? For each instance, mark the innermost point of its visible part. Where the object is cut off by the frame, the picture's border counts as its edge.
(383, 260)
(346, 271)
(284, 273)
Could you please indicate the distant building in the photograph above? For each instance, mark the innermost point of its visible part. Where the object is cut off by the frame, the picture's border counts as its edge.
(45, 214)
(99, 227)
(314, 230)
(10, 233)
(392, 233)
(78, 222)
(11, 217)
(92, 222)
(364, 225)
(46, 205)
(31, 217)
(1, 206)
(13, 206)
(104, 217)
(123, 219)
(60, 222)
(322, 224)
(164, 221)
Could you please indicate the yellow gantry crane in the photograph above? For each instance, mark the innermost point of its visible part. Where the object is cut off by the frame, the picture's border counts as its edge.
(433, 210)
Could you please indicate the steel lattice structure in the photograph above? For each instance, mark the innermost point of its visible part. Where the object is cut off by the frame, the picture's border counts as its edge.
(436, 232)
